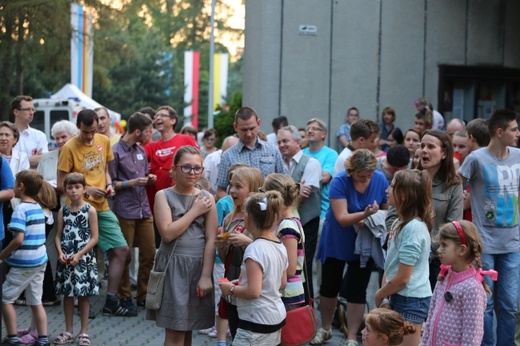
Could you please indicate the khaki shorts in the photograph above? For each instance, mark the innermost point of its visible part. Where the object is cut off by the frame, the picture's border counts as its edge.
(29, 280)
(247, 337)
(110, 235)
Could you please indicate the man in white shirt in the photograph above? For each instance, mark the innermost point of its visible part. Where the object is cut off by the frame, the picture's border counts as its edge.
(33, 142)
(306, 171)
(363, 133)
(277, 124)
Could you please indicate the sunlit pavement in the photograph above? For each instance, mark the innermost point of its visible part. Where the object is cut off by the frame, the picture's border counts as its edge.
(135, 331)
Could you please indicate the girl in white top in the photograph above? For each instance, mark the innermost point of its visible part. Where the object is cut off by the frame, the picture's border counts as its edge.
(263, 274)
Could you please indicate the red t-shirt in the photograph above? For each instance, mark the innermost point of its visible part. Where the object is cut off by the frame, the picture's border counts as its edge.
(160, 155)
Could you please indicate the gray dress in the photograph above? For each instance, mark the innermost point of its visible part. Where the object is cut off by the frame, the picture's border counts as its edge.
(181, 309)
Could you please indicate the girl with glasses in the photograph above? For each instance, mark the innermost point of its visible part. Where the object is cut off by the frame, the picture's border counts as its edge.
(186, 218)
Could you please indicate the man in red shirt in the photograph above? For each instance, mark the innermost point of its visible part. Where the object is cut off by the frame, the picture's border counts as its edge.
(160, 153)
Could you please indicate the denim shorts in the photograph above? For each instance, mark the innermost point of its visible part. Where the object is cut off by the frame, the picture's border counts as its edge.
(413, 310)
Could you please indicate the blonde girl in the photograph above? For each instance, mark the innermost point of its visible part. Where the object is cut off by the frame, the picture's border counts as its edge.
(405, 280)
(291, 234)
(384, 327)
(263, 274)
(456, 315)
(235, 237)
(76, 274)
(186, 218)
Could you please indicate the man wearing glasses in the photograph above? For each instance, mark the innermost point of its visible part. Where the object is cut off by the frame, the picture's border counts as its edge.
(160, 153)
(316, 134)
(33, 142)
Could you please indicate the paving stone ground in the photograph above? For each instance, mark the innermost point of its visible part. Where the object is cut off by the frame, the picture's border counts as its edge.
(133, 331)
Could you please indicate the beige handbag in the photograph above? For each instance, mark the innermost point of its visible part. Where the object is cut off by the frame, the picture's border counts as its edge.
(154, 292)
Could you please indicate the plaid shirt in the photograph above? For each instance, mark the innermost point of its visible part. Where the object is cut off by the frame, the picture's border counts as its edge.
(263, 156)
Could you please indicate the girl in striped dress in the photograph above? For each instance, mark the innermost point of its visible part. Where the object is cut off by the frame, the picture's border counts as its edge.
(290, 232)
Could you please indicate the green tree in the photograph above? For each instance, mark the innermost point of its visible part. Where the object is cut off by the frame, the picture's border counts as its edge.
(30, 47)
(224, 118)
(138, 51)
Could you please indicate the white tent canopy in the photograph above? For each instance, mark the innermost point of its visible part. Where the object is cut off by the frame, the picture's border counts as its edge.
(70, 91)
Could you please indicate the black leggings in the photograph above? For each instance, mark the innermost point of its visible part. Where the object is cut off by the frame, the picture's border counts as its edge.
(353, 285)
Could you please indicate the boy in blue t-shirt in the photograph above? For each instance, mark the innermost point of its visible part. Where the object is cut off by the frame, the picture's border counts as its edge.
(27, 256)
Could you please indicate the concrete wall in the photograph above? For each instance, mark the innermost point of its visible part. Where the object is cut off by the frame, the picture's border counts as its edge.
(369, 54)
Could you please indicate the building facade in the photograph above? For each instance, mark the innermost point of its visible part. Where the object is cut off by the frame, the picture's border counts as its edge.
(317, 58)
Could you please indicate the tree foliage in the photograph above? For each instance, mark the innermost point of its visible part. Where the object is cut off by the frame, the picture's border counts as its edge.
(138, 50)
(225, 117)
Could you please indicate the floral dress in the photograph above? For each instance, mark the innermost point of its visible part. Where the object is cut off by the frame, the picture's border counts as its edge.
(82, 279)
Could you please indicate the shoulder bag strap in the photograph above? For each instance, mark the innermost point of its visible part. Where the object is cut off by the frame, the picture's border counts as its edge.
(168, 191)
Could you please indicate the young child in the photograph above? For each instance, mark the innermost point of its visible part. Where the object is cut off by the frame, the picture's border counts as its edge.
(290, 232)
(187, 219)
(47, 199)
(26, 254)
(221, 329)
(406, 277)
(263, 274)
(234, 239)
(384, 327)
(76, 273)
(456, 315)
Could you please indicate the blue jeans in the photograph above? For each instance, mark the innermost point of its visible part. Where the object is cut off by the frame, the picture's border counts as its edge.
(508, 268)
(411, 309)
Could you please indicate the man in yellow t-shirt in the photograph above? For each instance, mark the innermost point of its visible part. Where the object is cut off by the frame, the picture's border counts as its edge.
(89, 153)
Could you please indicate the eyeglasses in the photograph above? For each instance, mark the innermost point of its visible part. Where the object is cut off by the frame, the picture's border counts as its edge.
(161, 115)
(210, 139)
(27, 109)
(188, 169)
(314, 128)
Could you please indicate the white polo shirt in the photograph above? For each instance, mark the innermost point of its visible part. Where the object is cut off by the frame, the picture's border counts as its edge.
(312, 172)
(31, 141)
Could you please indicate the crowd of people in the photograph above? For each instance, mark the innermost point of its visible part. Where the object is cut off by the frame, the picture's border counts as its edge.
(239, 231)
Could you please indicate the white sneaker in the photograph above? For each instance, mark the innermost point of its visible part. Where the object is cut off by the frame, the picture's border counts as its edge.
(207, 331)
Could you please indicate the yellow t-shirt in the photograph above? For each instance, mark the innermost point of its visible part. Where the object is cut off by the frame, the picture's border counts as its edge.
(91, 161)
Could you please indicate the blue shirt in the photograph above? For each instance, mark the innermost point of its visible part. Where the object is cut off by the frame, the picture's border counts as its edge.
(29, 219)
(337, 241)
(412, 248)
(327, 158)
(263, 156)
(343, 130)
(6, 183)
(224, 207)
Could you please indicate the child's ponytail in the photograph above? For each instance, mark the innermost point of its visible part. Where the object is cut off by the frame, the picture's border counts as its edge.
(47, 196)
(264, 208)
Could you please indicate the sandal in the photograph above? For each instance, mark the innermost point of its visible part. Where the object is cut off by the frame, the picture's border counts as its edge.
(83, 340)
(64, 338)
(23, 331)
(321, 336)
(29, 339)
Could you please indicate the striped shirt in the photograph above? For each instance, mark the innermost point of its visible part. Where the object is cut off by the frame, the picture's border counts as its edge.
(29, 219)
(293, 292)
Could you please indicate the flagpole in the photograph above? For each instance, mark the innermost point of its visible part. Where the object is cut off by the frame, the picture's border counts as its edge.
(211, 67)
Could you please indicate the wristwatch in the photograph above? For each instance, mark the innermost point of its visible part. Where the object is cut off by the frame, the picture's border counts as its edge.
(232, 290)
